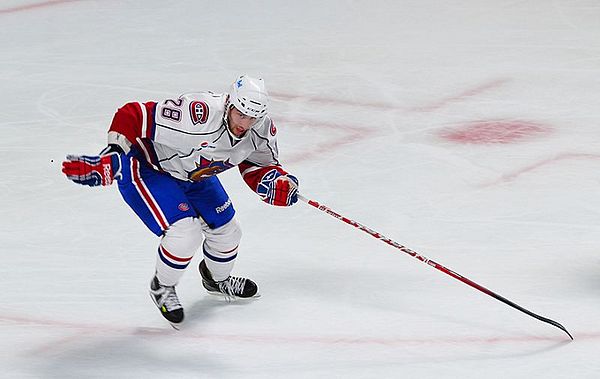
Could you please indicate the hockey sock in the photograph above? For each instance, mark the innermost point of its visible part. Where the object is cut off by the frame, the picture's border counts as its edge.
(176, 250)
(219, 264)
(220, 249)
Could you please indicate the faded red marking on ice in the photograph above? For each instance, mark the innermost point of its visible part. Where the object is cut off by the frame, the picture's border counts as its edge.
(60, 342)
(355, 133)
(470, 92)
(560, 157)
(435, 105)
(335, 101)
(93, 329)
(35, 6)
(494, 131)
(352, 134)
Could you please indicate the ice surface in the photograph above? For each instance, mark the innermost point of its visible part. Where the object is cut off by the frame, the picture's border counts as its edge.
(365, 95)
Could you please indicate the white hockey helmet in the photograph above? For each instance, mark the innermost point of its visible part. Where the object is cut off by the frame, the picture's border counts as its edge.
(249, 96)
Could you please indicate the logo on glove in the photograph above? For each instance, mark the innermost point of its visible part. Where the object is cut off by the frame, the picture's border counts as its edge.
(278, 189)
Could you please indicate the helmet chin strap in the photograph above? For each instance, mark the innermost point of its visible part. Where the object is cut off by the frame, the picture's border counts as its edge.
(228, 106)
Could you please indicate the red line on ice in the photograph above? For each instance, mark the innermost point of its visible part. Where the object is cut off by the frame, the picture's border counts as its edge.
(560, 157)
(461, 96)
(435, 105)
(35, 6)
(352, 134)
(332, 101)
(92, 329)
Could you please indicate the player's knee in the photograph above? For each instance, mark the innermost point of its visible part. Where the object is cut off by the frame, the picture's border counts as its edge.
(183, 236)
(225, 238)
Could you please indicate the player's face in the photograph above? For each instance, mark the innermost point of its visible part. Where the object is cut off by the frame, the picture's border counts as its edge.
(239, 123)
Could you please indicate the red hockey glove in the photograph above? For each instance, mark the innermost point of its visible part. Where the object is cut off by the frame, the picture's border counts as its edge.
(92, 170)
(277, 189)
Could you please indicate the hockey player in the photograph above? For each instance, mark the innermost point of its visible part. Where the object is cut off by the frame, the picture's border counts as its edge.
(165, 157)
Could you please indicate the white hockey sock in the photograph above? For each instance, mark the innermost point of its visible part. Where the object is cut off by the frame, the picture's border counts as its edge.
(176, 250)
(220, 264)
(220, 248)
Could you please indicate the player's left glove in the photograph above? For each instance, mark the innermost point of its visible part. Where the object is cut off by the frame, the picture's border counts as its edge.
(95, 170)
(278, 189)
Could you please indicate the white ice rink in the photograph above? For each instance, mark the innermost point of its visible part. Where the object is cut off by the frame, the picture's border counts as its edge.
(468, 131)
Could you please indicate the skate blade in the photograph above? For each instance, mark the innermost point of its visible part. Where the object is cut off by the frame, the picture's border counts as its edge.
(174, 325)
(233, 298)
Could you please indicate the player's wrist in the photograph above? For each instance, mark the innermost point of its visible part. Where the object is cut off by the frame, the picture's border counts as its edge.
(112, 148)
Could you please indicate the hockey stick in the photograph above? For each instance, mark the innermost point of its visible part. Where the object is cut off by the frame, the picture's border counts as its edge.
(431, 263)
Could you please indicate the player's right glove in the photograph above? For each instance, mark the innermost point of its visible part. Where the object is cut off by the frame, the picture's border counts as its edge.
(95, 170)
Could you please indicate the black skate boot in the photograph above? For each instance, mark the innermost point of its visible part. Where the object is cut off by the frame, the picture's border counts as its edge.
(232, 287)
(167, 302)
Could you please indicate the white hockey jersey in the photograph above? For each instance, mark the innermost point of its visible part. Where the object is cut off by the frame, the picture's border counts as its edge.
(187, 137)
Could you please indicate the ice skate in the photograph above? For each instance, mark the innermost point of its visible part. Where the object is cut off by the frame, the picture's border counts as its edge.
(167, 302)
(231, 288)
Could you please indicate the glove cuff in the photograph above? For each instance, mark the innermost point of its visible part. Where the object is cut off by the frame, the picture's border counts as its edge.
(111, 167)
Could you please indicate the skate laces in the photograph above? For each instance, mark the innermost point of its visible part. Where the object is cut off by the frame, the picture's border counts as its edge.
(232, 287)
(169, 298)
